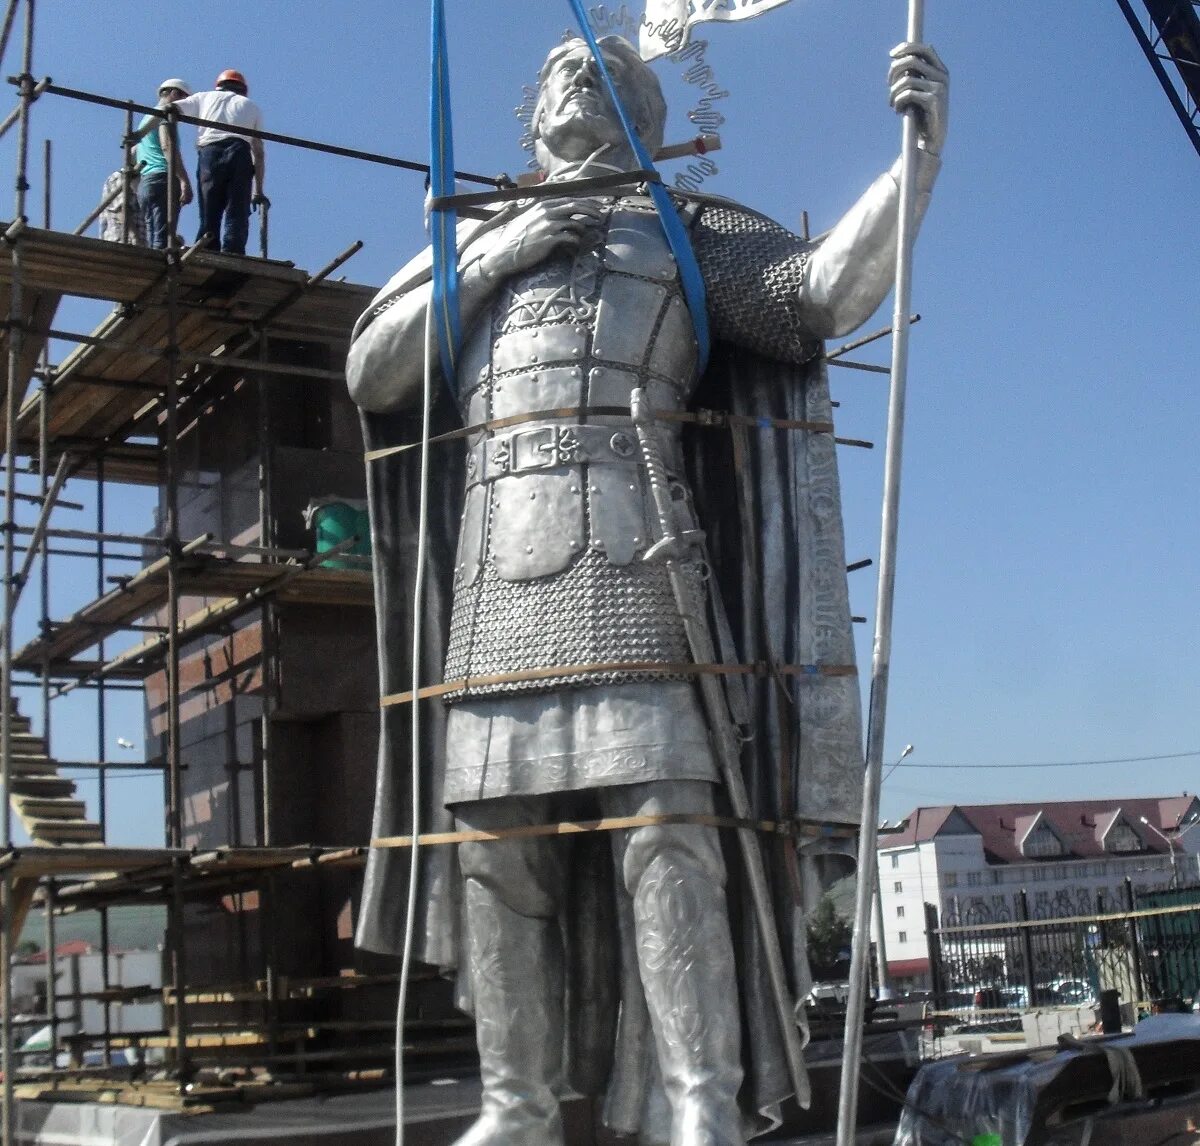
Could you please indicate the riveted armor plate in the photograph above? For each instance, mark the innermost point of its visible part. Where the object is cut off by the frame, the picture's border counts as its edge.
(525, 348)
(472, 539)
(538, 524)
(674, 353)
(626, 318)
(618, 509)
(474, 369)
(610, 387)
(552, 388)
(637, 246)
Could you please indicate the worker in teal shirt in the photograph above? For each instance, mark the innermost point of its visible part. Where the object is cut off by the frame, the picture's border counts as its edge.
(153, 155)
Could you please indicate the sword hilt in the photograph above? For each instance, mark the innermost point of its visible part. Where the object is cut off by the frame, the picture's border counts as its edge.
(675, 544)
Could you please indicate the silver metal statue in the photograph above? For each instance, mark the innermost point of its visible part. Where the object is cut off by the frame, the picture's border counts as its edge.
(622, 974)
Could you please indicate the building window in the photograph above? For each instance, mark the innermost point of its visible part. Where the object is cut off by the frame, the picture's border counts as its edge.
(997, 875)
(1099, 869)
(1060, 872)
(895, 860)
(899, 912)
(1039, 873)
(903, 936)
(974, 878)
(950, 879)
(898, 886)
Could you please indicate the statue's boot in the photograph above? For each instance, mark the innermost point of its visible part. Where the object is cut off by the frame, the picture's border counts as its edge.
(685, 955)
(517, 979)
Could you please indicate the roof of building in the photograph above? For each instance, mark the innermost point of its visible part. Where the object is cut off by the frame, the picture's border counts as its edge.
(62, 951)
(1080, 826)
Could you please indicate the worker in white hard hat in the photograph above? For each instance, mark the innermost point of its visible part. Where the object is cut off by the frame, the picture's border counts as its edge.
(154, 157)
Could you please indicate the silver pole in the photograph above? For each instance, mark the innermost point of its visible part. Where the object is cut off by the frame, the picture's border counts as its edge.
(881, 658)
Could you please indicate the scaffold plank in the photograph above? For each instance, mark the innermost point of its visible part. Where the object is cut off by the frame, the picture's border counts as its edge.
(219, 297)
(146, 591)
(79, 860)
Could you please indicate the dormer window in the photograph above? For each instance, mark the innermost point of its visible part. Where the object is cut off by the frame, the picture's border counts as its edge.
(1040, 840)
(1122, 838)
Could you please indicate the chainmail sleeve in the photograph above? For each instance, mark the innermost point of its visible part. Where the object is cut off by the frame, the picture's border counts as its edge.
(753, 271)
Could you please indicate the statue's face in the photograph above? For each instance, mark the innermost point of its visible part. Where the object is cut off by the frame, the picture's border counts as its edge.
(576, 115)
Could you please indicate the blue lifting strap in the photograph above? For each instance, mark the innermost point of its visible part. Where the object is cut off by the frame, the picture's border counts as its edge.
(677, 237)
(443, 220)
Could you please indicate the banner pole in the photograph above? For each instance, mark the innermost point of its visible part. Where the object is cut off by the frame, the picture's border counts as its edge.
(881, 656)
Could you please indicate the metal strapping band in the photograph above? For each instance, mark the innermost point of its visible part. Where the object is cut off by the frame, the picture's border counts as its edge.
(553, 672)
(715, 419)
(621, 823)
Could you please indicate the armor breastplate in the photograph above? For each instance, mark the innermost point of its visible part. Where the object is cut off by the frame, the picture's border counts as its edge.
(558, 512)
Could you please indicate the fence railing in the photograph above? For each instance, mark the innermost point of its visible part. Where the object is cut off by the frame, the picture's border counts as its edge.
(998, 958)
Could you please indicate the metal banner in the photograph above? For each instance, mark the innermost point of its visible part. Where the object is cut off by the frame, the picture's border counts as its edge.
(668, 23)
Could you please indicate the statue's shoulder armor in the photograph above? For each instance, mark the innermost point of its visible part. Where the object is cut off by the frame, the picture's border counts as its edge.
(754, 271)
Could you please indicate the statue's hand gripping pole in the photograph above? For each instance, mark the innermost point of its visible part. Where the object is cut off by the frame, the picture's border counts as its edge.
(675, 548)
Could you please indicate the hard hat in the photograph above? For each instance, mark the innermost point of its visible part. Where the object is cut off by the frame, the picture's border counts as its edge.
(231, 76)
(178, 84)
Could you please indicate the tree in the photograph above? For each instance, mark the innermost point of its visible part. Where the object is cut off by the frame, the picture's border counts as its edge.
(828, 938)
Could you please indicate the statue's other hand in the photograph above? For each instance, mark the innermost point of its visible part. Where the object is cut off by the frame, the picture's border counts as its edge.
(549, 226)
(918, 79)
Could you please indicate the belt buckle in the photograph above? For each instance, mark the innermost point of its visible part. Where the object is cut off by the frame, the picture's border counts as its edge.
(535, 449)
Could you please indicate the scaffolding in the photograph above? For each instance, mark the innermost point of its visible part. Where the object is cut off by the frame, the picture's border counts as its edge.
(187, 324)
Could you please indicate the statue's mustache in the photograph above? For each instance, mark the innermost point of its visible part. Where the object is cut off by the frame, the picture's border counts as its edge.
(580, 91)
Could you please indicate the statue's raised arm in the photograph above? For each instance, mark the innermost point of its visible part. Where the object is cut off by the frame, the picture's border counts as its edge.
(854, 265)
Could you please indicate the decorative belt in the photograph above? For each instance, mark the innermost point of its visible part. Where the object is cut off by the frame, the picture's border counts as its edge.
(543, 447)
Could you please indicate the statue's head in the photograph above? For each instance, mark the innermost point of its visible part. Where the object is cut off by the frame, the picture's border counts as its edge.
(574, 116)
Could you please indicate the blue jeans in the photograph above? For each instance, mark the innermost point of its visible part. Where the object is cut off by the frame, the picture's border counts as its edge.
(152, 195)
(223, 176)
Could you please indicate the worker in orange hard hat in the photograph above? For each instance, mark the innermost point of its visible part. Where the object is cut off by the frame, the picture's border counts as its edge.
(230, 163)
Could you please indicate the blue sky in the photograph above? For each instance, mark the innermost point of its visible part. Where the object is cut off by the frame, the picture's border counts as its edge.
(1046, 595)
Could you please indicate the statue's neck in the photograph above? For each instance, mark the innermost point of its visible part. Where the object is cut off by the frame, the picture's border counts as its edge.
(603, 161)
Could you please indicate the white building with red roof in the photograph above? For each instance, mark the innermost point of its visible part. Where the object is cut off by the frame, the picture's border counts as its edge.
(1071, 857)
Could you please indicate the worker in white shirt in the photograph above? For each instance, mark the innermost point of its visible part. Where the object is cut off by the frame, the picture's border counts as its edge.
(229, 163)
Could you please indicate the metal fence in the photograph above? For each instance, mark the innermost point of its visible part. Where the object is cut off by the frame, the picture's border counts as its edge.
(1003, 958)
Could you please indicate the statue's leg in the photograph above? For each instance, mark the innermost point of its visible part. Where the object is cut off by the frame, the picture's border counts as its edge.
(676, 878)
(513, 894)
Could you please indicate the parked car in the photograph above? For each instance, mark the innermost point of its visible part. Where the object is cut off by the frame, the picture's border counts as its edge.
(1001, 998)
(1073, 991)
(827, 994)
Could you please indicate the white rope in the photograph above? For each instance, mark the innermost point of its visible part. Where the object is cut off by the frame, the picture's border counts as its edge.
(415, 762)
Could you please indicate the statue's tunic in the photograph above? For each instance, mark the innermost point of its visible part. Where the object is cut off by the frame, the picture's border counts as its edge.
(557, 516)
